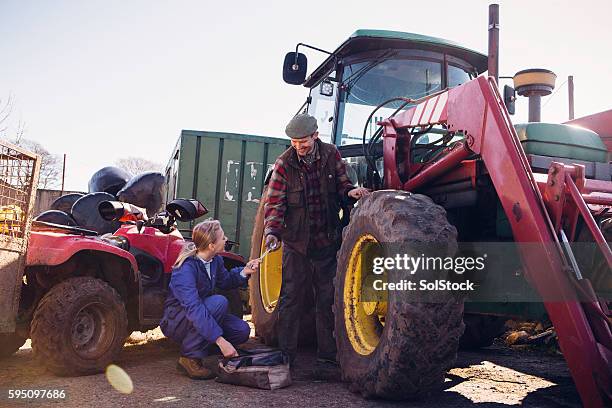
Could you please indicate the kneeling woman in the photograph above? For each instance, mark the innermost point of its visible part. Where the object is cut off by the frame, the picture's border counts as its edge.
(193, 316)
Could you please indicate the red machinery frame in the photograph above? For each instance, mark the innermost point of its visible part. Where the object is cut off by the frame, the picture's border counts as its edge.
(538, 208)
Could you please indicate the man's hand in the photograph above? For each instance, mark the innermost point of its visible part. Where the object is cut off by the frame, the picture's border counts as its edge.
(358, 193)
(226, 347)
(252, 266)
(271, 242)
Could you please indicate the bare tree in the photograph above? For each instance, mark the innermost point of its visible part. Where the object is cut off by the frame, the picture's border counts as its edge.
(6, 108)
(20, 131)
(50, 164)
(137, 165)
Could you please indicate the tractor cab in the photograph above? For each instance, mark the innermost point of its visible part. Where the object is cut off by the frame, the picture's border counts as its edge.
(376, 69)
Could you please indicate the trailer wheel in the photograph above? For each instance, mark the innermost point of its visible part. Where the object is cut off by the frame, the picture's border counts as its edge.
(265, 285)
(480, 330)
(398, 347)
(10, 343)
(79, 327)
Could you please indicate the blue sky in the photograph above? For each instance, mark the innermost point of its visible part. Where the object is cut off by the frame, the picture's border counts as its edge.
(102, 80)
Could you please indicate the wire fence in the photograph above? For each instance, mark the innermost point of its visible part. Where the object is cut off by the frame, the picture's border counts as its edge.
(18, 177)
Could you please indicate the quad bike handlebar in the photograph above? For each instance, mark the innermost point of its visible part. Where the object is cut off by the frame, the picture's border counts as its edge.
(165, 221)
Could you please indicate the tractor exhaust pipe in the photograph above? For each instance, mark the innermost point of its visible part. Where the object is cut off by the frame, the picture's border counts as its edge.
(493, 66)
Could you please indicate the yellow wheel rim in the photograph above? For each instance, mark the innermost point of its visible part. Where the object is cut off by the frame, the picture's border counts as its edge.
(364, 311)
(270, 277)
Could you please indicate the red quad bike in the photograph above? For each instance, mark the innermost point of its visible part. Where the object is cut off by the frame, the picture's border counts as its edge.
(83, 294)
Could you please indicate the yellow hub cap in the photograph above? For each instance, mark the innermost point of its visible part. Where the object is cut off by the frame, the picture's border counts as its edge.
(270, 275)
(364, 310)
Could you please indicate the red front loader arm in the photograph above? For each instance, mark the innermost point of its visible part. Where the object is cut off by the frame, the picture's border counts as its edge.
(477, 110)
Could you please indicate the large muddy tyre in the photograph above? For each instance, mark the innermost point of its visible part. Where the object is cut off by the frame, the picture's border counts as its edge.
(480, 331)
(264, 289)
(79, 327)
(399, 347)
(10, 343)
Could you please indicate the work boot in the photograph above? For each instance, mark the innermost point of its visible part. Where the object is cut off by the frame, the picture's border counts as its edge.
(326, 370)
(211, 363)
(193, 369)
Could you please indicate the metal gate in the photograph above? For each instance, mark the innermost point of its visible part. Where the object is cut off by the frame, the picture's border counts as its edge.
(19, 170)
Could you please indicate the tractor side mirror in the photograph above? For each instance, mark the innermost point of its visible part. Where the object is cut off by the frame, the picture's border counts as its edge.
(509, 98)
(186, 210)
(294, 68)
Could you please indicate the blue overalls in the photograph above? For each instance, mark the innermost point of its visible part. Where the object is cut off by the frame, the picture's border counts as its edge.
(193, 316)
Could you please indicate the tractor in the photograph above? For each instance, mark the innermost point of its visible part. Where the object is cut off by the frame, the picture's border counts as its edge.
(416, 121)
(78, 295)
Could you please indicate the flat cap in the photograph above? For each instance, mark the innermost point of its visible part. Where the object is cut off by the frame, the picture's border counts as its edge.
(300, 126)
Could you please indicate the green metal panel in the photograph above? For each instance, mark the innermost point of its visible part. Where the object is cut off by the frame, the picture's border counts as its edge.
(230, 192)
(369, 40)
(226, 172)
(414, 38)
(207, 179)
(558, 140)
(184, 183)
(254, 173)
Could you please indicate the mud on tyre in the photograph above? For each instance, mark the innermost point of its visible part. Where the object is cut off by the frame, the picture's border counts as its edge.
(401, 348)
(79, 327)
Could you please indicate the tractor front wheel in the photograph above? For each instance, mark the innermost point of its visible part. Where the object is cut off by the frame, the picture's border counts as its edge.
(398, 347)
(79, 327)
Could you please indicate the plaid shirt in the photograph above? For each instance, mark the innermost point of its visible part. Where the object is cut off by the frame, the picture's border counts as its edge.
(277, 196)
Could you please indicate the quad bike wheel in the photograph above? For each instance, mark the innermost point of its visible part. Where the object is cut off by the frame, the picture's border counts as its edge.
(10, 343)
(265, 286)
(398, 347)
(79, 327)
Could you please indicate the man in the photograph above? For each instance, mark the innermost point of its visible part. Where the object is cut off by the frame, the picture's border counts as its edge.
(306, 189)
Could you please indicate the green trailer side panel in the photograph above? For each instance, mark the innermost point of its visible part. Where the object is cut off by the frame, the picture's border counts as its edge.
(254, 173)
(230, 182)
(187, 167)
(207, 179)
(273, 152)
(184, 188)
(226, 172)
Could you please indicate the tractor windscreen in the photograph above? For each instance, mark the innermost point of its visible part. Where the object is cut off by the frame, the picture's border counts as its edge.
(368, 84)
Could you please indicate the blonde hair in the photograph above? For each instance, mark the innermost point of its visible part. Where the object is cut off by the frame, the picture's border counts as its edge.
(203, 234)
